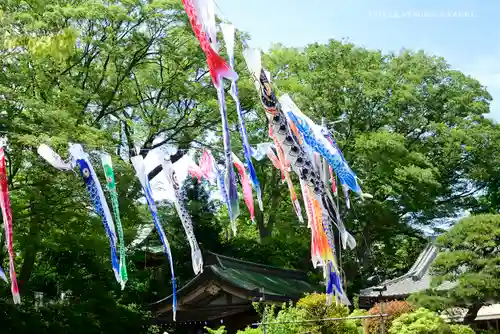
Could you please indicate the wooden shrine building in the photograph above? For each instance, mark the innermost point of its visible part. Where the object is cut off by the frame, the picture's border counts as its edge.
(223, 294)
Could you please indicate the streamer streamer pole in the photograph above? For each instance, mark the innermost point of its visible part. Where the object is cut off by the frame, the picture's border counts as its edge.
(230, 177)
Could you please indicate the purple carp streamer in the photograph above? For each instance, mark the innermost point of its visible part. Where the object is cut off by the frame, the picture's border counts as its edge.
(187, 224)
(230, 178)
(210, 167)
(228, 35)
(140, 170)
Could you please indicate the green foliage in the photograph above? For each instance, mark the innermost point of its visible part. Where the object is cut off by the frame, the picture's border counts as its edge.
(423, 321)
(488, 331)
(469, 259)
(356, 313)
(220, 330)
(315, 307)
(250, 330)
(116, 75)
(393, 308)
(461, 329)
(296, 318)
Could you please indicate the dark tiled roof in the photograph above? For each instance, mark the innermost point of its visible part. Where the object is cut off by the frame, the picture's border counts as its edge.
(276, 283)
(415, 280)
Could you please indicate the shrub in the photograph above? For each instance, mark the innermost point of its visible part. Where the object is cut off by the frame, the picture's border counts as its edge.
(358, 322)
(250, 330)
(311, 307)
(461, 329)
(315, 307)
(423, 321)
(393, 308)
(220, 330)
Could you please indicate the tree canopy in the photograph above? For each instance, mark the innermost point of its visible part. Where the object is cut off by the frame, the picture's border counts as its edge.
(412, 129)
(128, 76)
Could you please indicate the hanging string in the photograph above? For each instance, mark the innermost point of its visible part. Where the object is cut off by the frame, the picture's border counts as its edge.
(221, 14)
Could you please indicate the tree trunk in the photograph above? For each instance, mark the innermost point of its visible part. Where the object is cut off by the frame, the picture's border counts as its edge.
(472, 313)
(30, 251)
(266, 228)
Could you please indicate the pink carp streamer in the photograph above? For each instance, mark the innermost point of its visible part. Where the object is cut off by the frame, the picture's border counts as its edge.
(206, 165)
(275, 161)
(210, 171)
(207, 168)
(284, 170)
(195, 171)
(332, 181)
(7, 223)
(246, 186)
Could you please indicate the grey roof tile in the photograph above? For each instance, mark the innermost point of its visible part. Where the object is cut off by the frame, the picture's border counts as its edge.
(415, 280)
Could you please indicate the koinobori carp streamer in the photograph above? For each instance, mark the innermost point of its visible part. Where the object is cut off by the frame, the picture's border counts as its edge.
(107, 165)
(7, 224)
(201, 18)
(140, 170)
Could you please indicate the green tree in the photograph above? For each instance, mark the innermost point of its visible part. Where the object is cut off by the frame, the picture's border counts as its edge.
(111, 75)
(411, 128)
(467, 265)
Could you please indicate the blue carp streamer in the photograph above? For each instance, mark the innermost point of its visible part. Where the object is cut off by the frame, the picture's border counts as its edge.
(90, 180)
(138, 164)
(228, 35)
(314, 138)
(2, 275)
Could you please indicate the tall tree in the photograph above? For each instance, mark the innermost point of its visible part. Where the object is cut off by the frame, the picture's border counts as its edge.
(410, 127)
(112, 75)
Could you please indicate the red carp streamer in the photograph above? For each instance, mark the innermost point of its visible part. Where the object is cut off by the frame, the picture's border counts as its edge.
(217, 66)
(7, 223)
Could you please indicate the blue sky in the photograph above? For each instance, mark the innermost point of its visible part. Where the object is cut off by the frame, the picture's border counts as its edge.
(470, 43)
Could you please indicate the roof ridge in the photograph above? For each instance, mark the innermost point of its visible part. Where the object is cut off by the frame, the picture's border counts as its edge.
(259, 265)
(415, 268)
